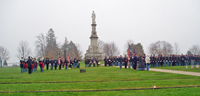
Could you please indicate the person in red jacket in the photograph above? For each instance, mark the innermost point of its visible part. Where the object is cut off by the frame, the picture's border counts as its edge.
(41, 65)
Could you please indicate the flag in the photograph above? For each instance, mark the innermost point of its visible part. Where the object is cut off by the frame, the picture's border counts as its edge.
(154, 87)
(186, 67)
(68, 59)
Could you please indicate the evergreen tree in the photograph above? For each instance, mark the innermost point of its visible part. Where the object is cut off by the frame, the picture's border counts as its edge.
(52, 47)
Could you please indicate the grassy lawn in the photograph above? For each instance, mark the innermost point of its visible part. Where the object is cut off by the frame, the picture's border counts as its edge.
(181, 68)
(96, 78)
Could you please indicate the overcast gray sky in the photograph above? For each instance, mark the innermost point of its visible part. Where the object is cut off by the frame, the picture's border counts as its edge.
(143, 21)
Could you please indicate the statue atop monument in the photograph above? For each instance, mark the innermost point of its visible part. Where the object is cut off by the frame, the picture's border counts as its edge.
(94, 50)
(93, 17)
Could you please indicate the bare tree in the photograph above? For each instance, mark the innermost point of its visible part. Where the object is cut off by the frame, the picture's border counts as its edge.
(176, 49)
(152, 48)
(167, 48)
(4, 54)
(23, 50)
(195, 49)
(110, 49)
(128, 42)
(78, 52)
(160, 47)
(41, 45)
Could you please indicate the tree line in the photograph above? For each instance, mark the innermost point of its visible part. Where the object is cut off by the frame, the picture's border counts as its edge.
(47, 46)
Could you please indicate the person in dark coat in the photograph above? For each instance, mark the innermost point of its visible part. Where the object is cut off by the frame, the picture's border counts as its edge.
(29, 65)
(110, 61)
(56, 63)
(41, 62)
(141, 65)
(125, 61)
(120, 60)
(66, 63)
(161, 60)
(47, 63)
(52, 62)
(105, 61)
(135, 59)
(60, 65)
(22, 63)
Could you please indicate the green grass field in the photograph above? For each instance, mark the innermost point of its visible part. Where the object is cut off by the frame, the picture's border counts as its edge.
(101, 78)
(181, 68)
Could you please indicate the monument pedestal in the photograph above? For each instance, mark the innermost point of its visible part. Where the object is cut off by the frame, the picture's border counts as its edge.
(94, 50)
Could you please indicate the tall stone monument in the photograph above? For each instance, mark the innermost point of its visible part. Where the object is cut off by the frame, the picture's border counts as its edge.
(94, 50)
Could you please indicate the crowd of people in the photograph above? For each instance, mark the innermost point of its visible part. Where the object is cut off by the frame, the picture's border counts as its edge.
(31, 64)
(140, 62)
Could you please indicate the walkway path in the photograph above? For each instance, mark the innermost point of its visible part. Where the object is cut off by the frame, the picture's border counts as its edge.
(175, 71)
(172, 71)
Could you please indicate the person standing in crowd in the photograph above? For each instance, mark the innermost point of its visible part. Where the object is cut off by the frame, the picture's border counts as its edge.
(179, 60)
(164, 60)
(192, 61)
(90, 62)
(147, 60)
(35, 64)
(157, 61)
(47, 63)
(135, 60)
(78, 62)
(29, 65)
(56, 63)
(186, 60)
(115, 60)
(144, 56)
(195, 59)
(26, 65)
(86, 62)
(105, 61)
(66, 63)
(32, 70)
(182, 60)
(141, 65)
(131, 62)
(151, 61)
(125, 61)
(97, 61)
(75, 63)
(41, 62)
(93, 61)
(60, 65)
(170, 60)
(52, 62)
(154, 60)
(71, 63)
(121, 60)
(109, 61)
(22, 64)
(173, 60)
(167, 60)
(161, 60)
